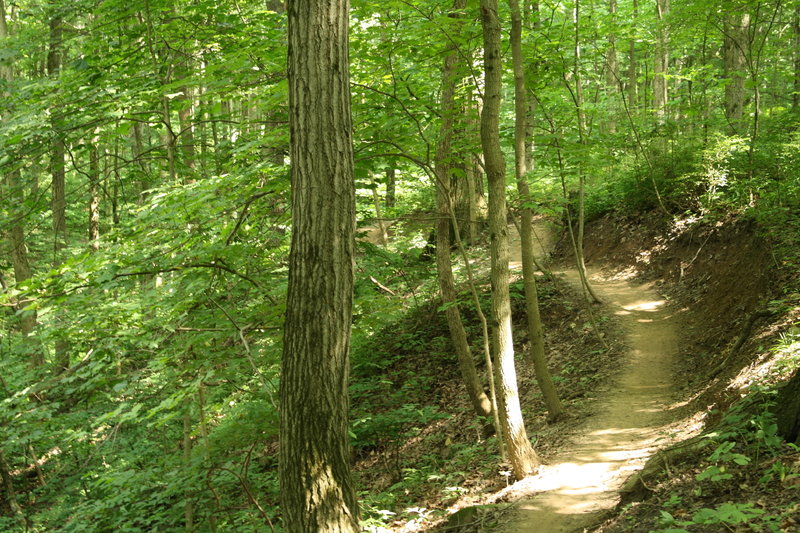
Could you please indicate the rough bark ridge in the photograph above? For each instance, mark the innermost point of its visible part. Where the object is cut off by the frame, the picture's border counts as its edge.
(317, 493)
(735, 39)
(523, 459)
(444, 201)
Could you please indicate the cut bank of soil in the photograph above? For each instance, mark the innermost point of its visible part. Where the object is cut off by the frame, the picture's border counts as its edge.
(579, 488)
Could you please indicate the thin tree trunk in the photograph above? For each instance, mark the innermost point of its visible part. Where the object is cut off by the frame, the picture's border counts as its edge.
(391, 187)
(16, 233)
(796, 93)
(188, 504)
(383, 234)
(661, 65)
(316, 488)
(444, 201)
(577, 240)
(535, 327)
(521, 455)
(94, 195)
(612, 70)
(58, 175)
(632, 76)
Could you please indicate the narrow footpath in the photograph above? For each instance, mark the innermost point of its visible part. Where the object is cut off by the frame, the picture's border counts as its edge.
(577, 489)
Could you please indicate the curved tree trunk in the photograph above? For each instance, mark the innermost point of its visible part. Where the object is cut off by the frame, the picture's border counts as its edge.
(317, 492)
(444, 202)
(577, 240)
(521, 455)
(535, 328)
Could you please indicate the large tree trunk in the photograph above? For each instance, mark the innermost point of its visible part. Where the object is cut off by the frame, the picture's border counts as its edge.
(444, 202)
(317, 492)
(523, 459)
(734, 42)
(535, 327)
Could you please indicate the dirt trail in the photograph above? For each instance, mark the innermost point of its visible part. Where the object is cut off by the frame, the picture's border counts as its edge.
(577, 488)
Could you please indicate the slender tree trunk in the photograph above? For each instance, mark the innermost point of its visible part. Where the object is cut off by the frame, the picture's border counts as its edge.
(317, 492)
(796, 93)
(58, 175)
(94, 195)
(170, 140)
(188, 504)
(577, 240)
(535, 327)
(444, 201)
(523, 458)
(632, 75)
(16, 233)
(376, 200)
(612, 70)
(661, 65)
(391, 187)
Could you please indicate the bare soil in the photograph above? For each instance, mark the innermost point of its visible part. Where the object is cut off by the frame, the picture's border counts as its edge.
(579, 487)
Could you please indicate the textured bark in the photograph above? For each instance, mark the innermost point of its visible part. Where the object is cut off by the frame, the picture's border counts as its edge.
(661, 66)
(94, 196)
(57, 167)
(535, 327)
(444, 202)
(523, 459)
(16, 232)
(612, 70)
(734, 43)
(796, 25)
(317, 493)
(391, 187)
(577, 241)
(632, 76)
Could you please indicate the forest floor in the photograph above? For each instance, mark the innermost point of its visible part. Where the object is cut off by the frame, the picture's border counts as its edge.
(579, 487)
(684, 329)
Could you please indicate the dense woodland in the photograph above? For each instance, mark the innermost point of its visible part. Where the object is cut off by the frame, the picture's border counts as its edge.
(156, 212)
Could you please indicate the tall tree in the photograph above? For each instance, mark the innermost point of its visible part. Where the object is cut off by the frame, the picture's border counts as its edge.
(661, 65)
(317, 493)
(535, 327)
(444, 201)
(523, 458)
(735, 28)
(16, 232)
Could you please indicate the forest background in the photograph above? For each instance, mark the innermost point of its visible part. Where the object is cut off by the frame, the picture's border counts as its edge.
(146, 221)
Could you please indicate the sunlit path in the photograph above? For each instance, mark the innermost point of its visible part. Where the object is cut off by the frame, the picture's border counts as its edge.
(576, 489)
